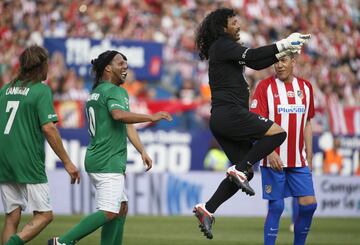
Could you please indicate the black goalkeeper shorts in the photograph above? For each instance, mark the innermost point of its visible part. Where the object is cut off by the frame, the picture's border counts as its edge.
(236, 128)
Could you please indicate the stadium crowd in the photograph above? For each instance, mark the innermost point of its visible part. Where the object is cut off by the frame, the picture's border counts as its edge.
(331, 61)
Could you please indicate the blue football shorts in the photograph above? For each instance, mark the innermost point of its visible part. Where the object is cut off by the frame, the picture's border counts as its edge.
(291, 182)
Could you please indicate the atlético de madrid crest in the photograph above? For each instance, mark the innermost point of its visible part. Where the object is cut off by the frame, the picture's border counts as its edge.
(300, 94)
(268, 189)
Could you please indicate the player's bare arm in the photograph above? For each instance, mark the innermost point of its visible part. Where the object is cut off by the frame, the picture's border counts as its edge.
(134, 138)
(131, 117)
(308, 142)
(53, 137)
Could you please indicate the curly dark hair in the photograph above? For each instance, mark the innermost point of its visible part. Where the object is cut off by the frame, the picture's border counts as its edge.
(99, 64)
(210, 29)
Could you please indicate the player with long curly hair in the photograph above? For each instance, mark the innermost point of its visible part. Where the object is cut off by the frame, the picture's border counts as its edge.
(244, 136)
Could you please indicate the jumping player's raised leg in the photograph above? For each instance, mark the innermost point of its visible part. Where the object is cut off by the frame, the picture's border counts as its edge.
(204, 211)
(266, 144)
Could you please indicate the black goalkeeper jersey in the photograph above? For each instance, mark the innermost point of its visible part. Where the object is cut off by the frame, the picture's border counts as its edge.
(227, 61)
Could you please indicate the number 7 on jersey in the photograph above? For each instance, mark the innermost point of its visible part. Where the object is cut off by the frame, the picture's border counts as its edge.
(13, 106)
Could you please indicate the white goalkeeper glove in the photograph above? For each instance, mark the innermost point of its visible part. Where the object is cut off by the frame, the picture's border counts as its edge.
(293, 42)
(287, 52)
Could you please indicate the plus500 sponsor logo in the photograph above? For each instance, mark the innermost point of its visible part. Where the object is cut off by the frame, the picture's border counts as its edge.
(291, 109)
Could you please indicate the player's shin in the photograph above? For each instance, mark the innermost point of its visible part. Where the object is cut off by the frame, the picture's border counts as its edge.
(15, 240)
(303, 223)
(271, 226)
(86, 226)
(112, 232)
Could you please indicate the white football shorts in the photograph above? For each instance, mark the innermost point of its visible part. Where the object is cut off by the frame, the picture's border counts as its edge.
(34, 196)
(110, 191)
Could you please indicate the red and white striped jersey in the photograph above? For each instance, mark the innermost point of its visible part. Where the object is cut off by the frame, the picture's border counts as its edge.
(289, 105)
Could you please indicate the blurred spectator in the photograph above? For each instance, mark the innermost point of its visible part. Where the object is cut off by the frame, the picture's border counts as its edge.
(333, 159)
(134, 87)
(67, 82)
(188, 95)
(77, 91)
(331, 61)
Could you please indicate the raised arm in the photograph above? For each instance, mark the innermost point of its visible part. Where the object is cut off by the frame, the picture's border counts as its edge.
(229, 50)
(131, 117)
(262, 64)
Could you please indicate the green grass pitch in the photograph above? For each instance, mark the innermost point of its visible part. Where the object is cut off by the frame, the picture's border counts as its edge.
(154, 230)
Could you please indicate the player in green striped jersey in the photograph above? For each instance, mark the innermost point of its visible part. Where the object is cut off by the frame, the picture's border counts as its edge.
(110, 124)
(27, 118)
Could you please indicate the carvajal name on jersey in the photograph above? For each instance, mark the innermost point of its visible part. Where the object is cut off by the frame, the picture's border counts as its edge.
(94, 96)
(291, 109)
(17, 90)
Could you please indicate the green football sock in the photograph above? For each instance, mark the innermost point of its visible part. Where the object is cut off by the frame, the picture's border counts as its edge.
(15, 240)
(86, 226)
(112, 232)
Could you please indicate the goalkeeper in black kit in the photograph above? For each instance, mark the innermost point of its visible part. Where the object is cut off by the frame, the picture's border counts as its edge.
(244, 136)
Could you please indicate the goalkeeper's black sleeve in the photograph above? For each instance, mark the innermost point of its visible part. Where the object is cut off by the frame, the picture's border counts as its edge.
(261, 64)
(226, 49)
(257, 54)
